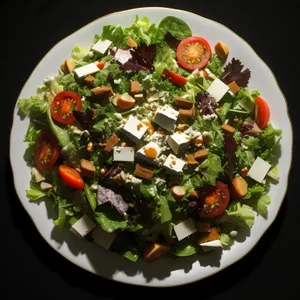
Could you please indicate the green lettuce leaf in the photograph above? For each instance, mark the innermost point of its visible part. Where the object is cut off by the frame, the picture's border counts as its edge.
(70, 83)
(162, 211)
(226, 240)
(213, 169)
(114, 33)
(245, 100)
(177, 27)
(185, 247)
(164, 58)
(78, 53)
(254, 191)
(132, 255)
(215, 65)
(33, 104)
(262, 205)
(35, 193)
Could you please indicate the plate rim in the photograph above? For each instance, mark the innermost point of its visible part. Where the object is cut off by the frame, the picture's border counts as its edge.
(287, 174)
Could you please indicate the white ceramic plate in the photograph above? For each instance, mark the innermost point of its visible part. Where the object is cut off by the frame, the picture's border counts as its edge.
(163, 272)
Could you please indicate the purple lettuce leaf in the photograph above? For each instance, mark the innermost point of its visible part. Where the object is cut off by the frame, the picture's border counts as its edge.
(208, 104)
(105, 195)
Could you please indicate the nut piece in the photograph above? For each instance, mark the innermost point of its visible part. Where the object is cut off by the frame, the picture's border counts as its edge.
(187, 113)
(182, 127)
(155, 250)
(200, 154)
(135, 87)
(45, 186)
(89, 80)
(228, 128)
(190, 160)
(198, 141)
(67, 66)
(221, 50)
(131, 43)
(87, 168)
(234, 88)
(111, 143)
(193, 193)
(89, 147)
(212, 235)
(183, 102)
(102, 90)
(178, 191)
(244, 171)
(143, 172)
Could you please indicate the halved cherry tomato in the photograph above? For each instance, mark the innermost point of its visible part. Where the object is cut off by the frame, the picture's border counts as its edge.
(46, 150)
(262, 112)
(215, 199)
(193, 53)
(173, 77)
(71, 177)
(62, 107)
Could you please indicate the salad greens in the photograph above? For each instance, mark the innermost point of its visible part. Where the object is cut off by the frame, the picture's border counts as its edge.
(149, 143)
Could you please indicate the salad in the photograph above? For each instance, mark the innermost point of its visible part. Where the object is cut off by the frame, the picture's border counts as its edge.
(150, 143)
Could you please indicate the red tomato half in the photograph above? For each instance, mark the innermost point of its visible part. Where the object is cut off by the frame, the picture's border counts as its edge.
(215, 199)
(63, 105)
(262, 112)
(173, 77)
(46, 150)
(71, 177)
(193, 53)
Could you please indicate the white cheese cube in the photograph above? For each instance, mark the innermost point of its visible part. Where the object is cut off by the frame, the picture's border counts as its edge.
(123, 154)
(122, 56)
(166, 117)
(149, 152)
(102, 237)
(178, 141)
(174, 164)
(101, 46)
(218, 89)
(259, 170)
(134, 129)
(82, 227)
(86, 70)
(184, 229)
(211, 245)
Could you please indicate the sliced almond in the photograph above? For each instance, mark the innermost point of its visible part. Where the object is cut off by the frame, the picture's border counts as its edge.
(155, 250)
(87, 168)
(45, 186)
(244, 171)
(178, 191)
(143, 172)
(193, 193)
(201, 154)
(182, 102)
(89, 80)
(228, 128)
(190, 160)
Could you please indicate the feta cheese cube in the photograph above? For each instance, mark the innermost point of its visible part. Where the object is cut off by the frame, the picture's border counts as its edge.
(86, 70)
(149, 152)
(174, 164)
(184, 229)
(134, 129)
(101, 46)
(82, 227)
(123, 154)
(166, 117)
(211, 245)
(122, 56)
(218, 89)
(178, 141)
(259, 170)
(102, 237)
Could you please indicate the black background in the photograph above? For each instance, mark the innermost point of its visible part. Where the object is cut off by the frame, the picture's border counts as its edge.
(30, 268)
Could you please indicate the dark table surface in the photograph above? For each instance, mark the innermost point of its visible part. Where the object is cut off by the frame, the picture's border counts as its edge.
(32, 269)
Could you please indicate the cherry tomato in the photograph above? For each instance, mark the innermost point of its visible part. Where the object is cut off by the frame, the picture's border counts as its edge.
(262, 112)
(71, 177)
(46, 150)
(62, 107)
(193, 53)
(215, 199)
(173, 77)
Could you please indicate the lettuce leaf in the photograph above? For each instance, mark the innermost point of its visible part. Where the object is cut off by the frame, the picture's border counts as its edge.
(213, 169)
(69, 83)
(215, 65)
(32, 104)
(262, 205)
(245, 100)
(78, 53)
(35, 193)
(164, 58)
(177, 27)
(226, 240)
